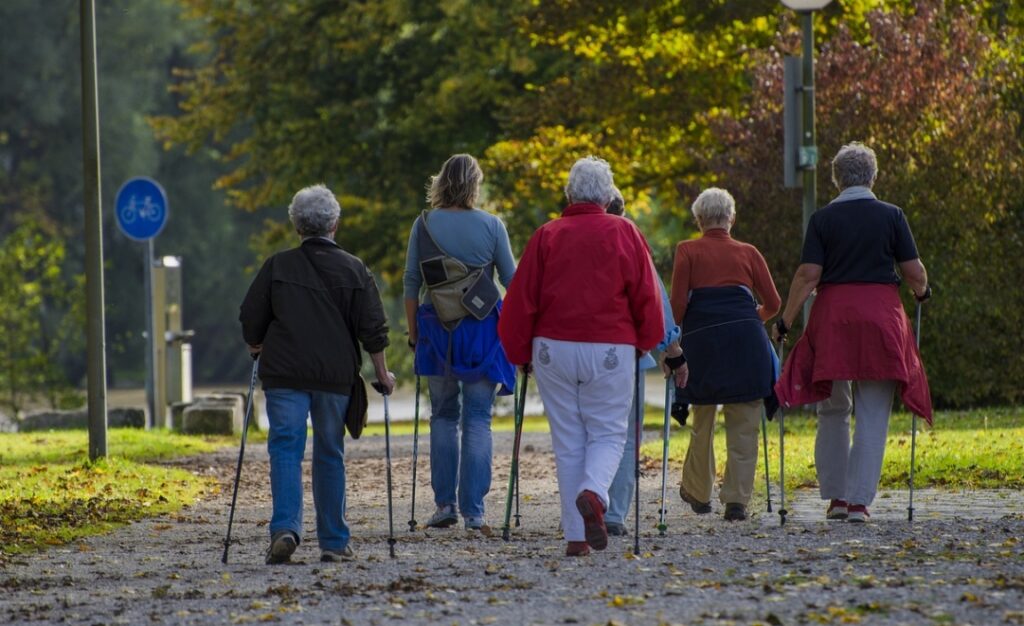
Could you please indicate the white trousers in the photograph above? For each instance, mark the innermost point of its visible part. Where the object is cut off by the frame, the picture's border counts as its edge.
(845, 472)
(587, 389)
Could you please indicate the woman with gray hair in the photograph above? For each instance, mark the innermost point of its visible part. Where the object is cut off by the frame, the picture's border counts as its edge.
(583, 303)
(457, 352)
(305, 315)
(857, 332)
(717, 282)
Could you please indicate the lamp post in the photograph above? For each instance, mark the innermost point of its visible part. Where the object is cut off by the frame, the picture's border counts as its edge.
(807, 161)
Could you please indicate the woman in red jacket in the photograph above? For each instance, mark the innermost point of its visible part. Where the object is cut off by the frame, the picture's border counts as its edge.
(583, 302)
(857, 333)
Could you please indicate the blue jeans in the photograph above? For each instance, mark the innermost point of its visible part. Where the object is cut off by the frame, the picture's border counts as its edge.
(620, 494)
(468, 465)
(287, 410)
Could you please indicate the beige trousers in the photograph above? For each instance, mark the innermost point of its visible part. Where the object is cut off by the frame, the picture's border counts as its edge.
(742, 423)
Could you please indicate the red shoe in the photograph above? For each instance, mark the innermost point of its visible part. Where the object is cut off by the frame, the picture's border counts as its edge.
(858, 514)
(837, 509)
(592, 510)
(577, 548)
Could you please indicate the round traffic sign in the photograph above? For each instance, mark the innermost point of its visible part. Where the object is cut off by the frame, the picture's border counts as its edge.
(141, 208)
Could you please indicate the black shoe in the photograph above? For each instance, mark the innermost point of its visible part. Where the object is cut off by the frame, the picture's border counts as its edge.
(735, 512)
(282, 545)
(700, 508)
(616, 529)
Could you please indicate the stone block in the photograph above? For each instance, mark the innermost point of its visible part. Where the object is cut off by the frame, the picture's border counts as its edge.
(178, 415)
(126, 417)
(210, 419)
(214, 414)
(54, 420)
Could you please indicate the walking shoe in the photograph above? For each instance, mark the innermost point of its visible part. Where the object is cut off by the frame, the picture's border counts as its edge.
(837, 509)
(474, 523)
(616, 529)
(444, 517)
(577, 548)
(857, 514)
(592, 510)
(698, 507)
(282, 545)
(333, 556)
(735, 512)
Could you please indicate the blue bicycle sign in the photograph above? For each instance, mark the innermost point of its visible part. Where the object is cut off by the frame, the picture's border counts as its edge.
(141, 208)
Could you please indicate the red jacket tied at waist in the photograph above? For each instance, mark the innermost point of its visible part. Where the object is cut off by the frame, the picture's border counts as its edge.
(857, 331)
(585, 277)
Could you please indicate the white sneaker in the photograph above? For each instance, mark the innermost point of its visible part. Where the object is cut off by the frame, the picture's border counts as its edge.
(444, 517)
(332, 556)
(857, 514)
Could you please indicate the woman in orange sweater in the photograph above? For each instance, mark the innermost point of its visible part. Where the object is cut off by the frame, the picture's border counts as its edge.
(716, 285)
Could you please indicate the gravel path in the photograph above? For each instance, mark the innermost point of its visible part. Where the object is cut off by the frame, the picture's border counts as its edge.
(961, 561)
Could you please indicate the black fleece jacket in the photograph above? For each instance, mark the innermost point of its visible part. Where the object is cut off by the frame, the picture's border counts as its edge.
(310, 319)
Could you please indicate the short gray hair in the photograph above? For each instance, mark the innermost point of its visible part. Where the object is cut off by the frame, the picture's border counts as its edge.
(590, 180)
(314, 211)
(854, 166)
(714, 206)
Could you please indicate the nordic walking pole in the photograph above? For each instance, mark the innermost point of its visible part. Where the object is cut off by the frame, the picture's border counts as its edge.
(518, 402)
(767, 478)
(638, 401)
(782, 451)
(382, 390)
(522, 414)
(415, 456)
(913, 424)
(241, 453)
(669, 383)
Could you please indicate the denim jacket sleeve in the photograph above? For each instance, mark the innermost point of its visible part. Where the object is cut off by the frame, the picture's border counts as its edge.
(672, 331)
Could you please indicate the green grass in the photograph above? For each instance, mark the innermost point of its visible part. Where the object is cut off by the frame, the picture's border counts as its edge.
(979, 449)
(531, 424)
(51, 495)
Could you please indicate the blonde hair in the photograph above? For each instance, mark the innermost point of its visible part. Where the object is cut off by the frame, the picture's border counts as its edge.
(457, 184)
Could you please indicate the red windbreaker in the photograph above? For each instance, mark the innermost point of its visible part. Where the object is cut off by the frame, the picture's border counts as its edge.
(857, 331)
(585, 277)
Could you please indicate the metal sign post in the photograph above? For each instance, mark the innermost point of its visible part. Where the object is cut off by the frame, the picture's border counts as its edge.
(141, 211)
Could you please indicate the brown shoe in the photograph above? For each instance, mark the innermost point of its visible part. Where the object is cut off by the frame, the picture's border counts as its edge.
(735, 512)
(592, 510)
(577, 548)
(698, 507)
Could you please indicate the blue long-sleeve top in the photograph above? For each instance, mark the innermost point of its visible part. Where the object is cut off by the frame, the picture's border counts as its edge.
(475, 237)
(671, 330)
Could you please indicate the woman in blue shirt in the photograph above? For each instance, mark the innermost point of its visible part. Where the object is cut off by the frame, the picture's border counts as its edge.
(463, 361)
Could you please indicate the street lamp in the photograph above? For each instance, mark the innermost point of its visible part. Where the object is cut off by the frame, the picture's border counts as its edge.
(807, 160)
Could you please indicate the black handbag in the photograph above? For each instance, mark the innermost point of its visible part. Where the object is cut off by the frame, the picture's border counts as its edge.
(358, 403)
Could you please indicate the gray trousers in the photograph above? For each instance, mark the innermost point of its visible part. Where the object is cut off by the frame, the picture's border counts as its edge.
(845, 472)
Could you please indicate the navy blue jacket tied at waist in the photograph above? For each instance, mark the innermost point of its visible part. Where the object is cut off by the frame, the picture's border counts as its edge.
(470, 352)
(727, 349)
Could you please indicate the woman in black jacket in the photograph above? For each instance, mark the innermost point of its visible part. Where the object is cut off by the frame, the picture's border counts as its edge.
(305, 314)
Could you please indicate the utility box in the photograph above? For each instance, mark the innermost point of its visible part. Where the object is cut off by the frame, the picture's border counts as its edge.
(172, 348)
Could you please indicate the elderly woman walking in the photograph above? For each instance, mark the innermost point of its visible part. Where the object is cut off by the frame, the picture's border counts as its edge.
(450, 246)
(717, 282)
(858, 346)
(583, 302)
(306, 314)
